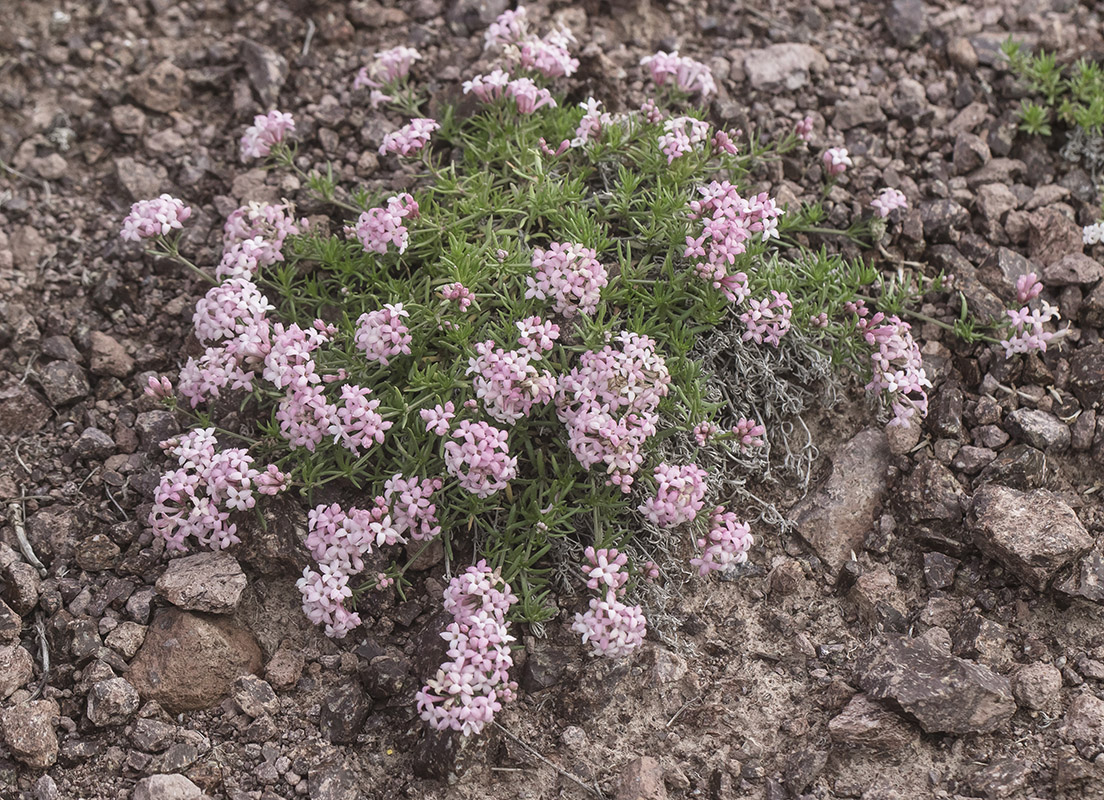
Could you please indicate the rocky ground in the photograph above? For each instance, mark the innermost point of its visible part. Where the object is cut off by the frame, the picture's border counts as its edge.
(928, 626)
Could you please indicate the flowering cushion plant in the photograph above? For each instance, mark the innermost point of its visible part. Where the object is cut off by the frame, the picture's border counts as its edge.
(508, 358)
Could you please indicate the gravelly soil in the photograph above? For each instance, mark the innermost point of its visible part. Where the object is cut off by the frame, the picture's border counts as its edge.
(105, 103)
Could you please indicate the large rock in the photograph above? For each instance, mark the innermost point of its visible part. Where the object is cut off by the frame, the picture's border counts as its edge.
(1036, 686)
(1085, 723)
(836, 520)
(344, 712)
(161, 87)
(1039, 429)
(907, 21)
(867, 724)
(783, 66)
(945, 694)
(1087, 373)
(267, 71)
(16, 668)
(167, 787)
(28, 731)
(1052, 235)
(211, 582)
(190, 661)
(1033, 534)
(1073, 268)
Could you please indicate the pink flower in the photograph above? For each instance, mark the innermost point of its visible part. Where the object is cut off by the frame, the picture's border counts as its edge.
(748, 433)
(379, 227)
(382, 334)
(682, 135)
(487, 87)
(688, 75)
(804, 129)
(388, 68)
(604, 569)
(470, 688)
(568, 274)
(357, 423)
(159, 388)
(410, 138)
(438, 418)
(528, 96)
(549, 56)
(536, 334)
(481, 459)
(1028, 287)
(590, 126)
(888, 200)
(726, 544)
(157, 217)
(509, 28)
(679, 495)
(836, 160)
(612, 628)
(458, 293)
(768, 320)
(266, 131)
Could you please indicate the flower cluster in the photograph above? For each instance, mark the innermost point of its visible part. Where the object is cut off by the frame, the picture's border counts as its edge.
(681, 135)
(590, 126)
(487, 88)
(196, 499)
(768, 319)
(804, 129)
(724, 546)
(1028, 287)
(511, 27)
(379, 227)
(729, 222)
(357, 423)
(888, 200)
(898, 366)
(611, 627)
(549, 55)
(158, 217)
(481, 460)
(688, 75)
(338, 540)
(836, 160)
(457, 293)
(608, 403)
(570, 276)
(1027, 332)
(470, 688)
(382, 334)
(528, 96)
(411, 507)
(748, 434)
(410, 138)
(389, 68)
(1093, 234)
(508, 383)
(266, 131)
(679, 496)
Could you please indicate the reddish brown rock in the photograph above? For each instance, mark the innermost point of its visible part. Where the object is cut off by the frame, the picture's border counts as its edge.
(190, 661)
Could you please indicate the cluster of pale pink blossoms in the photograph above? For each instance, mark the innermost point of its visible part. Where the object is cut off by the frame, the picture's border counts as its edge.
(1027, 333)
(611, 627)
(266, 130)
(387, 70)
(897, 364)
(158, 217)
(196, 499)
(470, 688)
(378, 228)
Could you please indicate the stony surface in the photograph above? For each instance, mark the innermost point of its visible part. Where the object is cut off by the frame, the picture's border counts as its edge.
(1034, 534)
(106, 105)
(944, 693)
(868, 724)
(112, 702)
(836, 520)
(29, 734)
(167, 787)
(211, 582)
(190, 661)
(16, 668)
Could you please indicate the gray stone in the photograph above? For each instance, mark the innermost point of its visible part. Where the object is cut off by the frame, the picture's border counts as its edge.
(907, 21)
(939, 570)
(126, 639)
(167, 787)
(334, 783)
(943, 219)
(112, 702)
(1033, 534)
(865, 111)
(783, 66)
(190, 661)
(16, 668)
(971, 460)
(932, 493)
(94, 444)
(344, 712)
(63, 382)
(994, 200)
(1052, 235)
(945, 694)
(1036, 687)
(1039, 429)
(254, 697)
(211, 582)
(267, 71)
(970, 153)
(11, 624)
(1073, 268)
(108, 357)
(641, 779)
(1087, 373)
(836, 519)
(151, 735)
(97, 553)
(154, 427)
(1021, 467)
(1001, 778)
(867, 724)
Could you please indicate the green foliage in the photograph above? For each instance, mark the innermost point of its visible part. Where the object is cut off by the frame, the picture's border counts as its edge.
(1074, 95)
